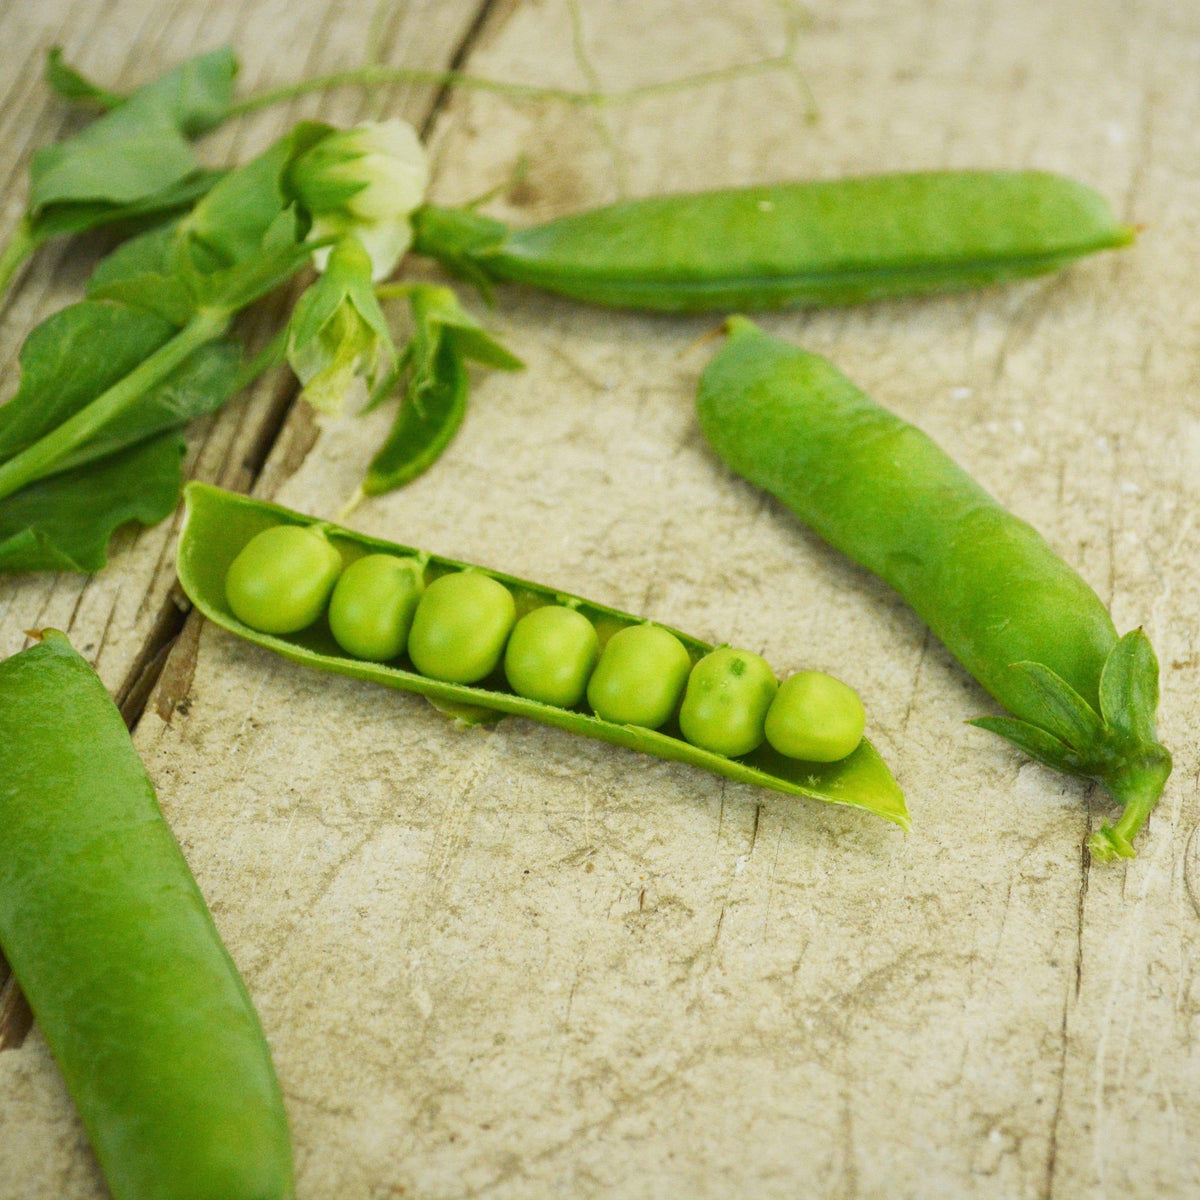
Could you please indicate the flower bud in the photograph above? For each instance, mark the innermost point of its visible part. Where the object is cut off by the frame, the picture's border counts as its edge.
(364, 181)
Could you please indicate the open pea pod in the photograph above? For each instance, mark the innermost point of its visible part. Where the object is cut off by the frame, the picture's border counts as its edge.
(218, 525)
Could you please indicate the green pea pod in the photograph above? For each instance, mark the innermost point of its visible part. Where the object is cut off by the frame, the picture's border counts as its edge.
(1007, 607)
(110, 939)
(841, 241)
(219, 523)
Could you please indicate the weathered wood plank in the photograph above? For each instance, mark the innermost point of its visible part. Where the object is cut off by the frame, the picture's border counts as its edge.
(509, 963)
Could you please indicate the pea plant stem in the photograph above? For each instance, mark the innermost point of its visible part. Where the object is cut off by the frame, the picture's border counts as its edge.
(39, 459)
(377, 75)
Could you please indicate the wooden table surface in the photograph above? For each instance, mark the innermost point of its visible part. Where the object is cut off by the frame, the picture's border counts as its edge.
(511, 963)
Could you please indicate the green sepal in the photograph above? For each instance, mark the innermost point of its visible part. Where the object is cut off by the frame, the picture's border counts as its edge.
(1060, 710)
(338, 330)
(1129, 688)
(460, 240)
(466, 715)
(1034, 741)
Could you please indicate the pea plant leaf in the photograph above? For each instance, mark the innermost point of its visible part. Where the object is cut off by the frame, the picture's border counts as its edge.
(108, 382)
(68, 360)
(445, 338)
(139, 147)
(64, 522)
(133, 163)
(72, 85)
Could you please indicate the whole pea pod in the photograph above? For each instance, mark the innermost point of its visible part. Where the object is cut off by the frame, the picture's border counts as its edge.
(1029, 629)
(826, 242)
(220, 527)
(111, 941)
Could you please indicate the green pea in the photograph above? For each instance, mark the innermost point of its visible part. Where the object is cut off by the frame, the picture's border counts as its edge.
(725, 705)
(281, 580)
(551, 654)
(372, 606)
(460, 627)
(639, 677)
(815, 717)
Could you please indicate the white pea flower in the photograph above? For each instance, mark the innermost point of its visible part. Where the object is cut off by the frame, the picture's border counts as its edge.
(338, 339)
(364, 181)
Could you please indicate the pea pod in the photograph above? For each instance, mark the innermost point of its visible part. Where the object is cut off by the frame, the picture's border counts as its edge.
(110, 939)
(1033, 633)
(841, 241)
(218, 524)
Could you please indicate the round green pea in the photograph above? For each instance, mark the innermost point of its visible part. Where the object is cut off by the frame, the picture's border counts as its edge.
(460, 627)
(725, 705)
(281, 579)
(815, 717)
(550, 655)
(372, 605)
(639, 677)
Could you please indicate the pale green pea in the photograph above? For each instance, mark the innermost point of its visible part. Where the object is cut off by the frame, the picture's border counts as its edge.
(815, 717)
(372, 606)
(639, 677)
(460, 627)
(550, 655)
(725, 705)
(281, 580)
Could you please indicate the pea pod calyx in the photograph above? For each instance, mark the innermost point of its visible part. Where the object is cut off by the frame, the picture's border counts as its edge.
(218, 524)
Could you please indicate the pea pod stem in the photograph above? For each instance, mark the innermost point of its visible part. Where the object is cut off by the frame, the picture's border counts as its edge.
(218, 524)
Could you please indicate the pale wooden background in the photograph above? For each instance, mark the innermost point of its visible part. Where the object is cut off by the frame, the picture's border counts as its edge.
(516, 964)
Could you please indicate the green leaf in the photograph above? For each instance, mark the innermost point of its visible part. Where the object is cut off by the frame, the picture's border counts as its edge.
(140, 147)
(1129, 688)
(1036, 742)
(424, 426)
(71, 85)
(1062, 711)
(63, 523)
(63, 220)
(70, 359)
(199, 385)
(438, 308)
